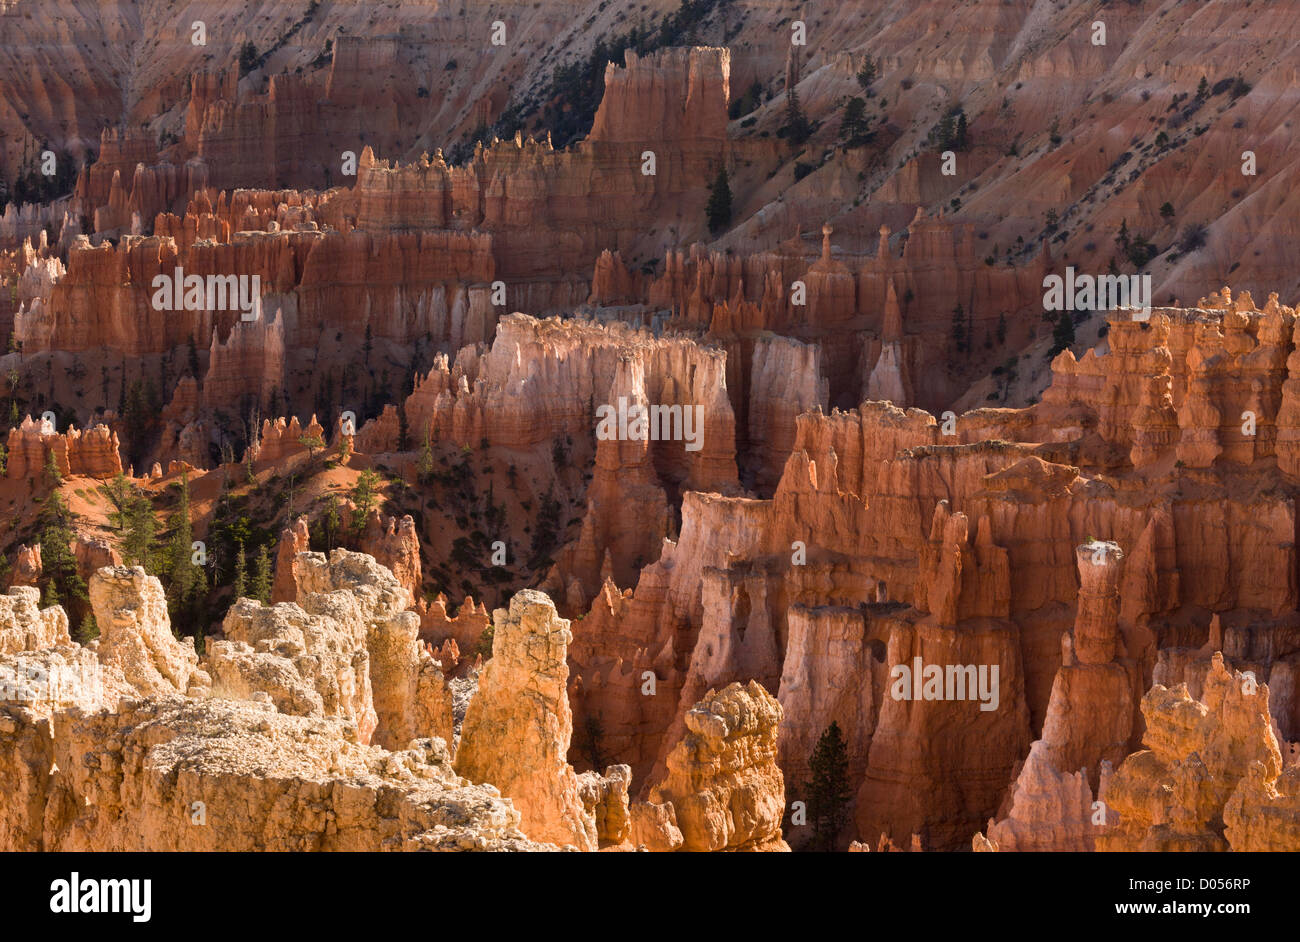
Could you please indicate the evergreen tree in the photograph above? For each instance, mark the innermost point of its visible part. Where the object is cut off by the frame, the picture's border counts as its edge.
(182, 575)
(1203, 89)
(363, 499)
(239, 586)
(330, 522)
(484, 646)
(195, 611)
(1002, 328)
(719, 206)
(63, 583)
(424, 465)
(403, 430)
(137, 415)
(313, 444)
(88, 630)
(867, 74)
(828, 787)
(248, 58)
(139, 529)
(797, 129)
(120, 494)
(262, 576)
(1062, 334)
(950, 132)
(52, 473)
(960, 339)
(853, 126)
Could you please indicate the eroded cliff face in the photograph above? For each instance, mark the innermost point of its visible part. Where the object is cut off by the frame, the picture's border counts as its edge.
(1206, 764)
(723, 779)
(93, 453)
(1091, 724)
(261, 780)
(1121, 536)
(517, 731)
(129, 745)
(1023, 540)
(1084, 547)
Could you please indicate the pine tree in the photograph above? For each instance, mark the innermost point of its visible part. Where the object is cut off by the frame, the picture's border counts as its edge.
(63, 583)
(52, 473)
(363, 499)
(88, 630)
(195, 606)
(247, 57)
(828, 787)
(483, 648)
(1203, 89)
(313, 444)
(120, 494)
(181, 571)
(796, 126)
(403, 430)
(262, 576)
(330, 522)
(239, 586)
(1002, 328)
(867, 74)
(960, 339)
(944, 133)
(853, 126)
(138, 538)
(719, 206)
(424, 465)
(1062, 334)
